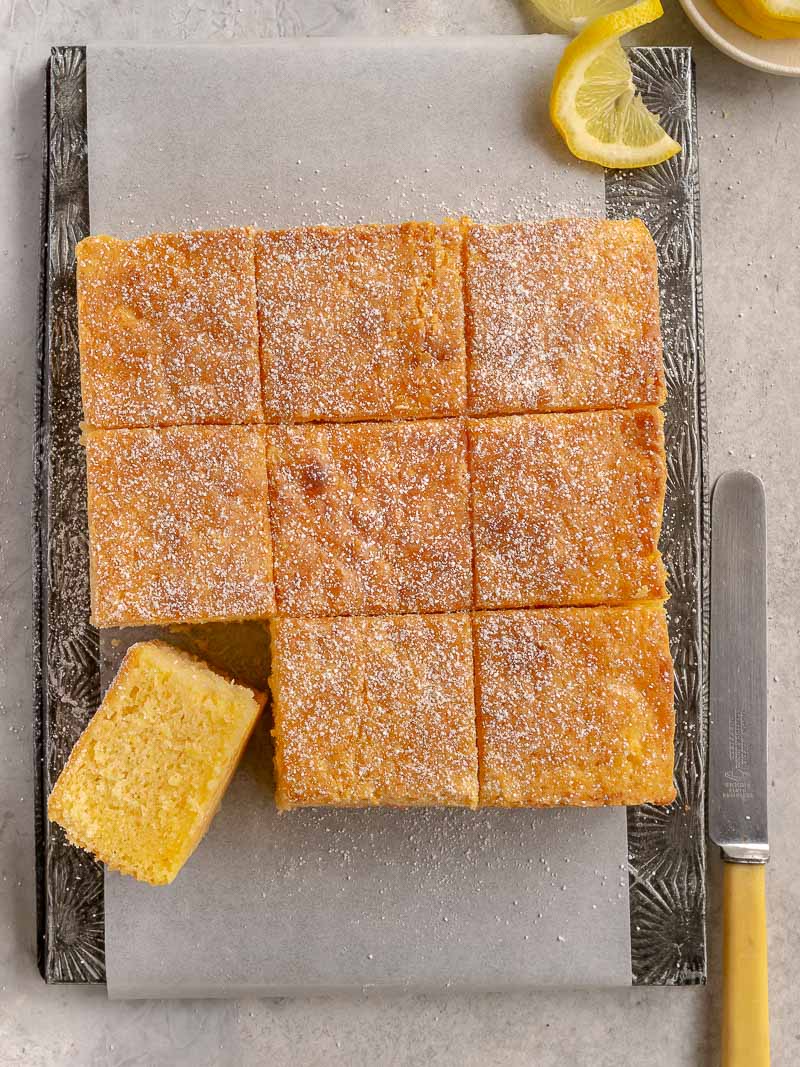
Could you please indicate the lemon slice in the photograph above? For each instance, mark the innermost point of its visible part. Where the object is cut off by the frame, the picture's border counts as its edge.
(594, 104)
(572, 15)
(764, 26)
(782, 10)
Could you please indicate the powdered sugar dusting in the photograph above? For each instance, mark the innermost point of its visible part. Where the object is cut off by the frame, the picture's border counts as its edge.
(486, 194)
(168, 329)
(567, 508)
(374, 711)
(562, 315)
(378, 518)
(178, 525)
(600, 681)
(363, 322)
(370, 518)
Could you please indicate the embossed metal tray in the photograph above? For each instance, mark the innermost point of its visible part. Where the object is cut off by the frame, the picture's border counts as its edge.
(666, 845)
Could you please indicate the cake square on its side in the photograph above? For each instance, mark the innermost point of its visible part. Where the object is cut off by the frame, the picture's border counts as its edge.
(178, 525)
(372, 711)
(169, 330)
(574, 706)
(562, 316)
(567, 508)
(148, 773)
(362, 322)
(370, 518)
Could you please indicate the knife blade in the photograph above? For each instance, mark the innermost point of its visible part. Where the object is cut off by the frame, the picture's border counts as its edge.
(737, 796)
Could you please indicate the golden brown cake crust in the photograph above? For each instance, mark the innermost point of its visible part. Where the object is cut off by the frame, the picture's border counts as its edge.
(374, 711)
(567, 508)
(169, 330)
(575, 706)
(370, 518)
(363, 322)
(562, 315)
(178, 525)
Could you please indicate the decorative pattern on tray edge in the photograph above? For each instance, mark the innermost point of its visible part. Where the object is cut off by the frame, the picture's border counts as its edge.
(71, 934)
(667, 845)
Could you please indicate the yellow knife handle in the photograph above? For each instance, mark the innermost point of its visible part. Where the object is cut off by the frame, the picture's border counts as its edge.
(745, 1012)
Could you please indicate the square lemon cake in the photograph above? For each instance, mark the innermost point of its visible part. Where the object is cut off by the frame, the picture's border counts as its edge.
(178, 525)
(567, 508)
(374, 711)
(370, 518)
(148, 773)
(362, 322)
(168, 329)
(575, 706)
(562, 316)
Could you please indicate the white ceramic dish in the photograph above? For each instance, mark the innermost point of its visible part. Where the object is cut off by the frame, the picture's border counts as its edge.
(774, 57)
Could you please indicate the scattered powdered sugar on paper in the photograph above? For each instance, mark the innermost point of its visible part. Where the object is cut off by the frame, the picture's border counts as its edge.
(478, 192)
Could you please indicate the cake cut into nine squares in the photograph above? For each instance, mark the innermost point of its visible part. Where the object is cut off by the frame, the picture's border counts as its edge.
(362, 322)
(562, 315)
(370, 518)
(567, 508)
(178, 525)
(147, 775)
(169, 330)
(575, 706)
(372, 711)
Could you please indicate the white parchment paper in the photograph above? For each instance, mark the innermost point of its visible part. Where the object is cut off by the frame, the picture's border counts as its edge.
(288, 133)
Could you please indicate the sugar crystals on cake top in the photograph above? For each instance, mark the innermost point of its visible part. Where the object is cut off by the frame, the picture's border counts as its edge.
(562, 315)
(361, 322)
(374, 711)
(168, 329)
(567, 508)
(370, 518)
(178, 525)
(574, 706)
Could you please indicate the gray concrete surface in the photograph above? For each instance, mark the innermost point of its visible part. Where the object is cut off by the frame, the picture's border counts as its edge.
(750, 160)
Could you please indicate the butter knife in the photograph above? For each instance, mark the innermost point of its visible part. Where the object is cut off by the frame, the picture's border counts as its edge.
(737, 787)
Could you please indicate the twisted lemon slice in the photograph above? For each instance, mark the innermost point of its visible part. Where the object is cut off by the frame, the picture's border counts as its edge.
(573, 15)
(759, 18)
(780, 11)
(594, 104)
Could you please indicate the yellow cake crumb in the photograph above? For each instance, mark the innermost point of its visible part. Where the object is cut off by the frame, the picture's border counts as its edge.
(149, 771)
